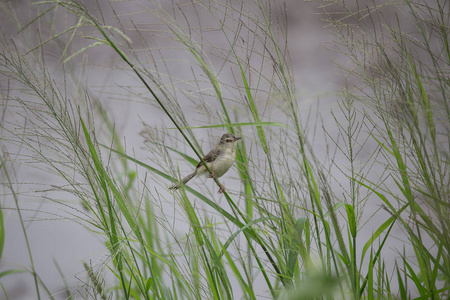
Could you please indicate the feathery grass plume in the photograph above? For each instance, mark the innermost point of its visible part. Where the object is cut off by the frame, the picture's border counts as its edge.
(293, 224)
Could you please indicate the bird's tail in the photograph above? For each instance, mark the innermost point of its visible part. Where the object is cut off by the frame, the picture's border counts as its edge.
(183, 181)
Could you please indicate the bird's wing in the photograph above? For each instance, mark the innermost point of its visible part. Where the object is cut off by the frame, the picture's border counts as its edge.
(210, 157)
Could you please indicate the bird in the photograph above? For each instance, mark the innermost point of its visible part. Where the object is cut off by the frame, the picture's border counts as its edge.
(219, 160)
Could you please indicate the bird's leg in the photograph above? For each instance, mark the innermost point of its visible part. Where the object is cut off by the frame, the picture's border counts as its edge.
(222, 188)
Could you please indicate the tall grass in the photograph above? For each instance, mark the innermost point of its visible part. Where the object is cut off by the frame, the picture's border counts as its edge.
(288, 227)
(400, 60)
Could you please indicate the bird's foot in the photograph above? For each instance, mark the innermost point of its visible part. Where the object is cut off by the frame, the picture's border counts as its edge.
(222, 189)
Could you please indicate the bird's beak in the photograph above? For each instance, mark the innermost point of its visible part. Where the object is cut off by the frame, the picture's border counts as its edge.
(236, 138)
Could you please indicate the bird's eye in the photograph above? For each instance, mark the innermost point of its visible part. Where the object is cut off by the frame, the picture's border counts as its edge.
(229, 140)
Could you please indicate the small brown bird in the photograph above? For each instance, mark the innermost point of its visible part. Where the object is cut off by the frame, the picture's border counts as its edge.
(219, 161)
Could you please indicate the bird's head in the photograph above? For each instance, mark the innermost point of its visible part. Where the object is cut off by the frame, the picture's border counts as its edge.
(229, 138)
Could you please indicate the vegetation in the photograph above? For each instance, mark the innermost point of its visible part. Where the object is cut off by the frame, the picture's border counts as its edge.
(295, 223)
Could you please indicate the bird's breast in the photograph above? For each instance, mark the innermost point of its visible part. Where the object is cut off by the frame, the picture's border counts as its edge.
(224, 162)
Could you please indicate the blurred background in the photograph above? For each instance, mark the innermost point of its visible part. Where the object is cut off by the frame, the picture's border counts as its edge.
(59, 241)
